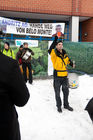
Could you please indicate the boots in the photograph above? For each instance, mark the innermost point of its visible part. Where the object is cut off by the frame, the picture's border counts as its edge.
(66, 107)
(69, 108)
(59, 109)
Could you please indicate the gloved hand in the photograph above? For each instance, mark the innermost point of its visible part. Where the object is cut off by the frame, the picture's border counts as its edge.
(56, 37)
(53, 44)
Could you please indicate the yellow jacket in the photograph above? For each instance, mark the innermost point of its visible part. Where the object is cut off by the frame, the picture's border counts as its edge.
(60, 62)
(9, 53)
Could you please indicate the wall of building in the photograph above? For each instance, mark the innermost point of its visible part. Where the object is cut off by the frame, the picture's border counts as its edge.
(87, 8)
(61, 7)
(65, 7)
(38, 6)
(76, 7)
(87, 30)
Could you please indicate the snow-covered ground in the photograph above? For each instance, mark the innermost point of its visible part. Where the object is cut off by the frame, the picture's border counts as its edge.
(39, 119)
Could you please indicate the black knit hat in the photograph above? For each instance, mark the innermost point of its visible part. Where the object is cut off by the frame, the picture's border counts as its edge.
(59, 41)
(21, 46)
(7, 43)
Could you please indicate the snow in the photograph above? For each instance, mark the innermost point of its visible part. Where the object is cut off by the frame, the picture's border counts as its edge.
(39, 119)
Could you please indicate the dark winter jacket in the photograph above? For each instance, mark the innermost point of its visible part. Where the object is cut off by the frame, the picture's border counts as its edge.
(26, 55)
(89, 108)
(13, 91)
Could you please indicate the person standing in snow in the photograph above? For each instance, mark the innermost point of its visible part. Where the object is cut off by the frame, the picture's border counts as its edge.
(26, 62)
(8, 51)
(60, 61)
(13, 92)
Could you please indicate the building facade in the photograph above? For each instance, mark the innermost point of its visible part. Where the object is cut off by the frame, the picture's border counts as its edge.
(76, 14)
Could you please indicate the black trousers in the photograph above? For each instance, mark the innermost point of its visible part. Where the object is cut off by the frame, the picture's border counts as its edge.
(24, 66)
(58, 82)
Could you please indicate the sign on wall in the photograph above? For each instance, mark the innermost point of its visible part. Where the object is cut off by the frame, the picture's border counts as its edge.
(31, 43)
(10, 26)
